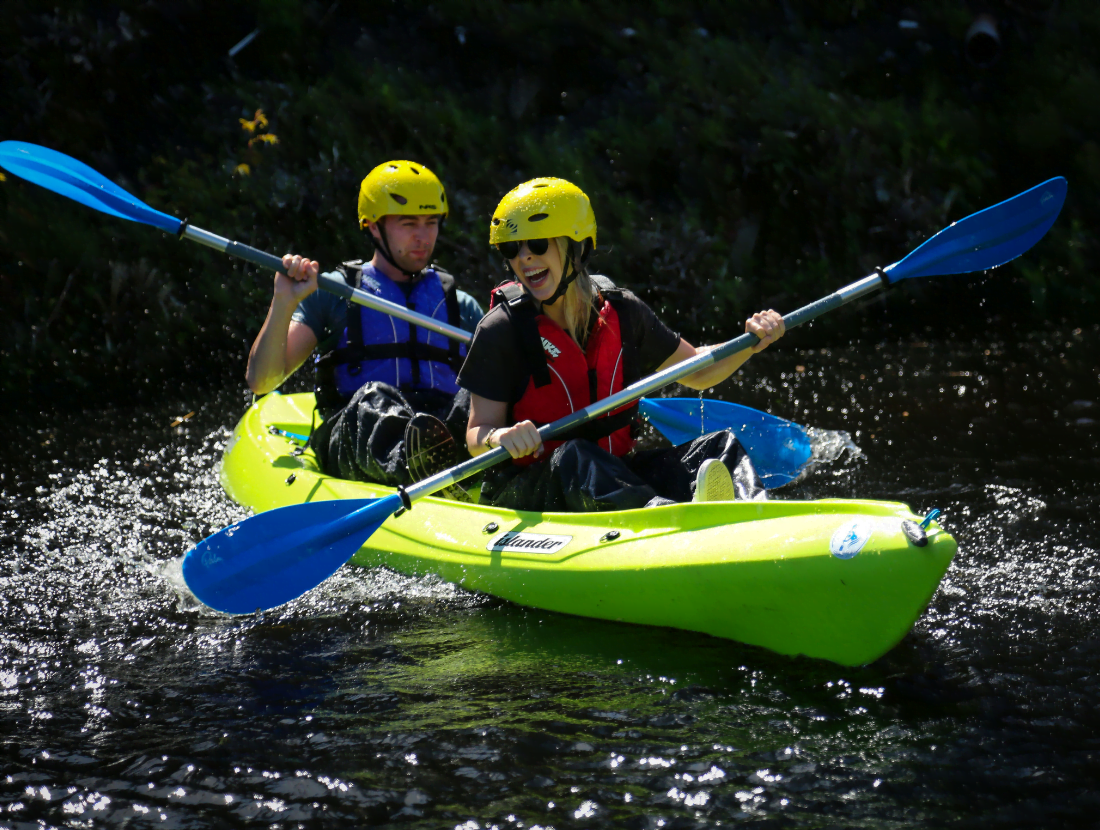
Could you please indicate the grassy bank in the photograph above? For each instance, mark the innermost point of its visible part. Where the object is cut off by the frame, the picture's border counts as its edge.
(737, 156)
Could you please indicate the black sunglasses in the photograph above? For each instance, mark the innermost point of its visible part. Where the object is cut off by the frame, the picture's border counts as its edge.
(510, 250)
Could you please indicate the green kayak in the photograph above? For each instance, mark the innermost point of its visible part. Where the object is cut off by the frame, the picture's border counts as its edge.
(835, 579)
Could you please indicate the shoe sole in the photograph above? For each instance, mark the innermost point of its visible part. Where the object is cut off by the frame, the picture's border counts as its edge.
(716, 484)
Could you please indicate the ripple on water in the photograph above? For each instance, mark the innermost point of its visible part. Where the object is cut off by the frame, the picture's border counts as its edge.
(382, 699)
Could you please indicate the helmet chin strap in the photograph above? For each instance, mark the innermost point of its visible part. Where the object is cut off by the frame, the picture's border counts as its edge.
(566, 281)
(382, 245)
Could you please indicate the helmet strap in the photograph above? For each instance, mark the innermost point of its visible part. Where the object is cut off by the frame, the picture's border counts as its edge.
(563, 286)
(382, 245)
(570, 271)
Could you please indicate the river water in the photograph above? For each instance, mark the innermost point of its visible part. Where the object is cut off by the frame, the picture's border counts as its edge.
(379, 699)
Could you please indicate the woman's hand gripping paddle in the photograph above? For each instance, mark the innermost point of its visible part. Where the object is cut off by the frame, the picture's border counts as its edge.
(273, 557)
(986, 239)
(71, 178)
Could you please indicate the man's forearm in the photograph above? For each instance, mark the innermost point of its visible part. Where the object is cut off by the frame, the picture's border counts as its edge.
(267, 361)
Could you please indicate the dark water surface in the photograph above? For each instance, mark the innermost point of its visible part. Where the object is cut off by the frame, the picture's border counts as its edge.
(379, 699)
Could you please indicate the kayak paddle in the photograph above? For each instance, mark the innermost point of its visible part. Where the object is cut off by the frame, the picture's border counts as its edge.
(779, 449)
(65, 175)
(274, 557)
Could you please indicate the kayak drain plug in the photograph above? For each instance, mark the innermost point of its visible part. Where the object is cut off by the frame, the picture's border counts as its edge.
(610, 536)
(492, 527)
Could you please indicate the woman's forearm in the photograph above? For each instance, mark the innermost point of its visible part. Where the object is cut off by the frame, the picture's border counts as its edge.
(766, 325)
(708, 376)
(717, 372)
(476, 437)
(486, 418)
(488, 429)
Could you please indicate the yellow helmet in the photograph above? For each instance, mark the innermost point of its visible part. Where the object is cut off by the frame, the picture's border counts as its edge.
(402, 188)
(543, 209)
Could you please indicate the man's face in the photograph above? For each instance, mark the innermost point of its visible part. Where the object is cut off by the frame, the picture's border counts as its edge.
(411, 239)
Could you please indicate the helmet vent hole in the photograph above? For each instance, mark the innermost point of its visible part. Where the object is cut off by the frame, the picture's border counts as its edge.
(397, 197)
(394, 167)
(541, 185)
(538, 217)
(415, 170)
(496, 221)
(442, 197)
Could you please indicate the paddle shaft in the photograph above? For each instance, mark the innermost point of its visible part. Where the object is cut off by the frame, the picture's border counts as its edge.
(858, 289)
(327, 282)
(983, 240)
(335, 285)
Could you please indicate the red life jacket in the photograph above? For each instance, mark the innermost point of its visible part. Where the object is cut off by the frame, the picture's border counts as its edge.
(565, 379)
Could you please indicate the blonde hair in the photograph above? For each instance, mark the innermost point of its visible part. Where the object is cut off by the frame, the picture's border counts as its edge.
(578, 296)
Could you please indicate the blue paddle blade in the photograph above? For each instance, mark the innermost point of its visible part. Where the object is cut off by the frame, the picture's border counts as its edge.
(271, 558)
(64, 175)
(988, 238)
(779, 449)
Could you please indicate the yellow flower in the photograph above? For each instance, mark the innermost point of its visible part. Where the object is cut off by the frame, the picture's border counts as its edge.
(242, 170)
(258, 120)
(264, 138)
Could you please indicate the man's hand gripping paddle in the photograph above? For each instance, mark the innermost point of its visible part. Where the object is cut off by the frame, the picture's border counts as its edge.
(274, 557)
(280, 554)
(778, 448)
(64, 175)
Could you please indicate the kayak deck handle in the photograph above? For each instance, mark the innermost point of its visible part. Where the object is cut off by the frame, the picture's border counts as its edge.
(933, 514)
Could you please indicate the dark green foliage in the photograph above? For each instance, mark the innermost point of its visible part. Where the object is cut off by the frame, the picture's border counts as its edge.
(737, 154)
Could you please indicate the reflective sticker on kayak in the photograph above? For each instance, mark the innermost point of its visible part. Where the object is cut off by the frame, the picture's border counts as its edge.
(849, 538)
(528, 542)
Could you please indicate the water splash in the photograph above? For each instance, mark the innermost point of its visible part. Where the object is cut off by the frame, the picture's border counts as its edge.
(827, 447)
(380, 699)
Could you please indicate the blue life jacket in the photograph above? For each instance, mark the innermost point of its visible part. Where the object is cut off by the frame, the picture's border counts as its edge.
(378, 347)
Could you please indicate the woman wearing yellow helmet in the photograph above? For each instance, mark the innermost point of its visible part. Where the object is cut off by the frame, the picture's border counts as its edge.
(559, 338)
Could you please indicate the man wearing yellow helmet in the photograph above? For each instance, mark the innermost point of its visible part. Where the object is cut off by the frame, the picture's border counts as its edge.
(374, 372)
(559, 339)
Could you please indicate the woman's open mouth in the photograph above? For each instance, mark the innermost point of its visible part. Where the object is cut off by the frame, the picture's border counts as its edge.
(537, 279)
